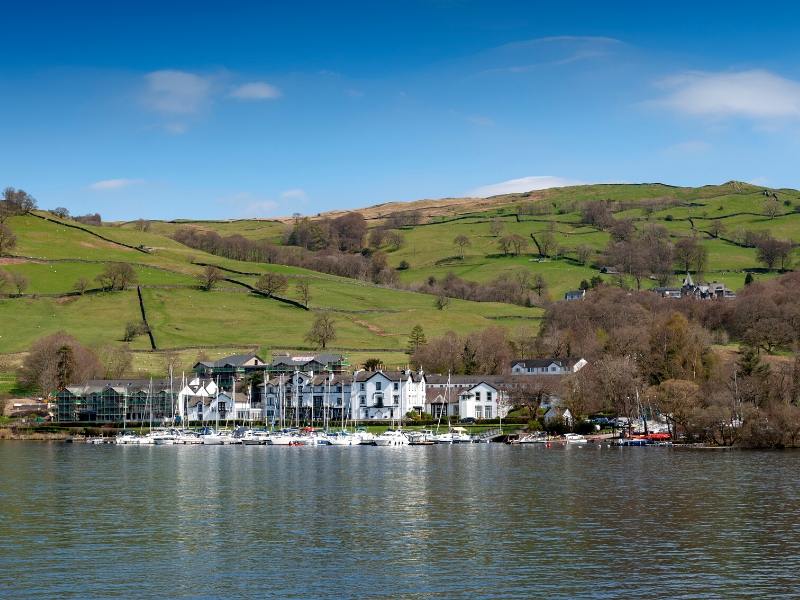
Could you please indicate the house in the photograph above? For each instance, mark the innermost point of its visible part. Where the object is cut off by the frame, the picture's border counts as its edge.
(668, 292)
(547, 366)
(116, 401)
(575, 295)
(229, 369)
(305, 396)
(201, 401)
(288, 363)
(609, 270)
(467, 396)
(555, 413)
(706, 291)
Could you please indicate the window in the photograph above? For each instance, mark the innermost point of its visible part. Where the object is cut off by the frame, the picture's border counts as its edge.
(488, 412)
(361, 387)
(379, 385)
(396, 385)
(478, 412)
(395, 399)
(362, 400)
(488, 396)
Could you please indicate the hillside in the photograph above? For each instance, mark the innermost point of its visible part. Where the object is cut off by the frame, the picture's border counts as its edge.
(371, 320)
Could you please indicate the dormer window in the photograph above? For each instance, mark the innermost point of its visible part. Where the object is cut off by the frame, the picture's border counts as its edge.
(379, 385)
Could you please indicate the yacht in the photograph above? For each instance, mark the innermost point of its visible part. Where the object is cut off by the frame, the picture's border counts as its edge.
(392, 437)
(126, 437)
(460, 435)
(423, 437)
(343, 438)
(574, 438)
(255, 438)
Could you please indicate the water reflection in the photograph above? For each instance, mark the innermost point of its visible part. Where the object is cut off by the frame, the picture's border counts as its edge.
(444, 521)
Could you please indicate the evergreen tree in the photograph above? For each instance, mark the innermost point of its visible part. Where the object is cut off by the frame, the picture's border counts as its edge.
(750, 363)
(748, 279)
(416, 339)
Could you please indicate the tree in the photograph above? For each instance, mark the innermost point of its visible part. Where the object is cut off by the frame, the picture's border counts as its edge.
(677, 400)
(133, 329)
(441, 302)
(394, 239)
(531, 393)
(772, 252)
(5, 280)
(539, 285)
(116, 361)
(56, 361)
(545, 243)
(377, 237)
(373, 364)
(141, 225)
(20, 283)
(15, 202)
(116, 276)
(272, 283)
(303, 289)
(771, 208)
(209, 277)
(322, 332)
(61, 212)
(496, 227)
(584, 253)
(717, 228)
(81, 285)
(690, 254)
(7, 239)
(748, 279)
(462, 241)
(350, 230)
(416, 339)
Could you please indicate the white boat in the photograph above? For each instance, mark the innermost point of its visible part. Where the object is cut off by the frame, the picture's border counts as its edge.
(574, 438)
(536, 437)
(460, 435)
(365, 438)
(188, 437)
(96, 441)
(126, 437)
(255, 438)
(392, 437)
(343, 438)
(423, 437)
(443, 438)
(163, 437)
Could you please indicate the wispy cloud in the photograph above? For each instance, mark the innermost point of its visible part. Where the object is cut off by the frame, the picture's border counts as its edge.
(755, 94)
(113, 184)
(529, 55)
(176, 92)
(256, 90)
(245, 204)
(523, 184)
(294, 195)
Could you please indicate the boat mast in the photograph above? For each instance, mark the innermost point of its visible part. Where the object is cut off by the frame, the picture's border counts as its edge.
(264, 403)
(150, 401)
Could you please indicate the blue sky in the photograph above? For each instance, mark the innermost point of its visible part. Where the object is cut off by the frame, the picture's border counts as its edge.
(196, 110)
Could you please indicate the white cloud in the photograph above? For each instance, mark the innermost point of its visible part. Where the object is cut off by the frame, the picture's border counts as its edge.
(113, 184)
(523, 184)
(755, 94)
(555, 51)
(295, 195)
(256, 90)
(245, 204)
(176, 92)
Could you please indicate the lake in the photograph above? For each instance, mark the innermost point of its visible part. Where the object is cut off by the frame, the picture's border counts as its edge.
(464, 521)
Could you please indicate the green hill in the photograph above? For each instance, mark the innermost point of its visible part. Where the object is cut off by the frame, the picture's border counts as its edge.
(371, 320)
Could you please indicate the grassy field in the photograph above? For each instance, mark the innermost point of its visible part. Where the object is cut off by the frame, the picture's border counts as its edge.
(372, 321)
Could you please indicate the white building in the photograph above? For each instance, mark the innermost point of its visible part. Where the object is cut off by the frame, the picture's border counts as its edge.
(302, 397)
(466, 397)
(547, 366)
(201, 401)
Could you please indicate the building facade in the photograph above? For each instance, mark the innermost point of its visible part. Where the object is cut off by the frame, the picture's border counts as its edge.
(116, 401)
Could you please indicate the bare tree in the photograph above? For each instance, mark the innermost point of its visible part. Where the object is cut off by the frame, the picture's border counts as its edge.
(56, 361)
(496, 227)
(771, 208)
(322, 332)
(116, 276)
(441, 302)
(20, 283)
(272, 283)
(717, 228)
(584, 253)
(7, 239)
(116, 361)
(81, 285)
(462, 241)
(303, 290)
(209, 277)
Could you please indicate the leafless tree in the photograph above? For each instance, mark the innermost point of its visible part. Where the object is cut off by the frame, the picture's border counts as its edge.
(322, 332)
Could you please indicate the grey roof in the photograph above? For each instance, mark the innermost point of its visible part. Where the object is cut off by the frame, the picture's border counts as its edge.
(545, 362)
(94, 386)
(299, 359)
(235, 360)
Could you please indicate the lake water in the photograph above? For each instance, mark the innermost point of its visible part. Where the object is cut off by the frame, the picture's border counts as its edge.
(467, 521)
